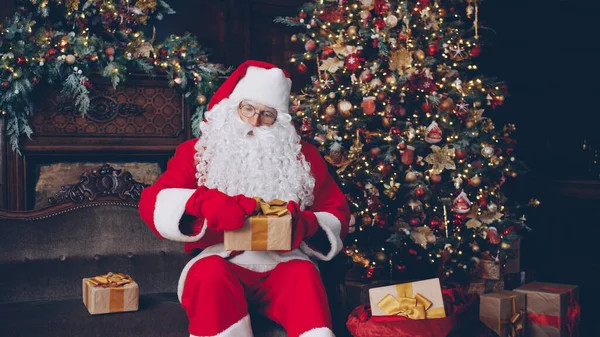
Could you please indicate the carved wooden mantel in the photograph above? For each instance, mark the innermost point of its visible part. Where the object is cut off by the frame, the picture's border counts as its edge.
(105, 182)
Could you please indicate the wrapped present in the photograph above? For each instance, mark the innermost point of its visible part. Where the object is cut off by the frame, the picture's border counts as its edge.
(269, 230)
(416, 300)
(494, 286)
(513, 263)
(489, 270)
(462, 319)
(110, 293)
(476, 287)
(552, 309)
(504, 313)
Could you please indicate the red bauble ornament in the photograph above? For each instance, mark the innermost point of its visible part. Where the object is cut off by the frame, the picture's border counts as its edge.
(400, 111)
(162, 52)
(302, 15)
(476, 51)
(310, 46)
(5, 84)
(21, 60)
(420, 192)
(396, 131)
(375, 151)
(460, 154)
(110, 51)
(385, 169)
(381, 7)
(302, 68)
(435, 223)
(379, 23)
(381, 96)
(402, 146)
(368, 105)
(432, 49)
(414, 222)
(436, 178)
(426, 107)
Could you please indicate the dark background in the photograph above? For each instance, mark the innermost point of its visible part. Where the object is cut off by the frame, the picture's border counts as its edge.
(546, 51)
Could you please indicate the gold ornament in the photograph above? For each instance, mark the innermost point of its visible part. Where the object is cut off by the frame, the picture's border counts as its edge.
(331, 95)
(441, 159)
(469, 123)
(390, 79)
(475, 181)
(201, 99)
(330, 110)
(446, 104)
(332, 65)
(70, 59)
(401, 60)
(356, 148)
(391, 21)
(344, 107)
(352, 31)
(411, 177)
(72, 4)
(420, 55)
(367, 4)
(294, 38)
(505, 245)
(386, 122)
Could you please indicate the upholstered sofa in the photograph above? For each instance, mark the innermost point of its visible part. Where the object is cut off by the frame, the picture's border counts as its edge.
(44, 255)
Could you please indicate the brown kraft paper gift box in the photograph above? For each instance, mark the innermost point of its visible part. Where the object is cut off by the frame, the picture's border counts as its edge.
(110, 293)
(504, 312)
(552, 309)
(270, 230)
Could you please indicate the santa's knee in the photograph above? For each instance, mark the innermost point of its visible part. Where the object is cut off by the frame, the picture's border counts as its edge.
(206, 278)
(302, 271)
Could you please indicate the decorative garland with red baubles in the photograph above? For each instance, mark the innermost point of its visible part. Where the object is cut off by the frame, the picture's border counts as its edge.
(63, 42)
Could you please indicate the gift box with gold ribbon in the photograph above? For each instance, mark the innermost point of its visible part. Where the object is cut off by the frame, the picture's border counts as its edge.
(416, 300)
(553, 310)
(110, 293)
(271, 229)
(504, 312)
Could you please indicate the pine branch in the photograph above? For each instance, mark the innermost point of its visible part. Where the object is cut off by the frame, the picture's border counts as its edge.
(288, 21)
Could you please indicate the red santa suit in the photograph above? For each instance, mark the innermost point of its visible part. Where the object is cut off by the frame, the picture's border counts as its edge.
(217, 286)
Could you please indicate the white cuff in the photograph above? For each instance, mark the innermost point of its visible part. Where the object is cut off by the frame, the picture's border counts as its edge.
(169, 208)
(333, 227)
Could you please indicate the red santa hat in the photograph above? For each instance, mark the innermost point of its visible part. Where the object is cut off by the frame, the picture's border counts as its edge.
(257, 81)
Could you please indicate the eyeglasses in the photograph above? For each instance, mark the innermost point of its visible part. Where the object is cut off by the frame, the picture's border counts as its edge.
(267, 117)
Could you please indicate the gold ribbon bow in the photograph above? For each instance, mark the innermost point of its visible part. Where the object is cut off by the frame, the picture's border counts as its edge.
(109, 280)
(273, 207)
(417, 307)
(516, 324)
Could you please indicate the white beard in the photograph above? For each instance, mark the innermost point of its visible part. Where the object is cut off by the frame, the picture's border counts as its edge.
(267, 163)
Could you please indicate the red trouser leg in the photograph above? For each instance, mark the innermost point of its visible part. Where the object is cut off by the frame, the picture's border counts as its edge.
(214, 300)
(293, 295)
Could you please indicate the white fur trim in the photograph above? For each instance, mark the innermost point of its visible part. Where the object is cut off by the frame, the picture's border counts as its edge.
(170, 206)
(318, 332)
(241, 328)
(333, 227)
(265, 86)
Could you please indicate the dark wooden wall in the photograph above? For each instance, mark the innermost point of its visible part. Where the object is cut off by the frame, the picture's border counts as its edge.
(546, 51)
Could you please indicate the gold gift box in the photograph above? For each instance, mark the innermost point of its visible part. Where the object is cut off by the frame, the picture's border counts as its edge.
(504, 312)
(110, 293)
(271, 230)
(416, 300)
(490, 270)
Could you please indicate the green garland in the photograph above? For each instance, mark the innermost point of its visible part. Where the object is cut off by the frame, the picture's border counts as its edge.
(63, 42)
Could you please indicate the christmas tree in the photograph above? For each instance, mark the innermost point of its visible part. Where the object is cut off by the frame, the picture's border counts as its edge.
(62, 42)
(399, 107)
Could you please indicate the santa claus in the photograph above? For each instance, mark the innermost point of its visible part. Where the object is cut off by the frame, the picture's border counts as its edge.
(249, 148)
